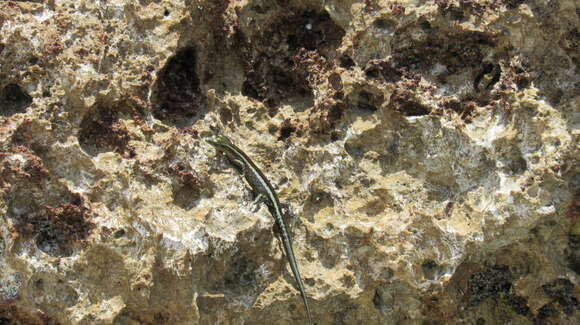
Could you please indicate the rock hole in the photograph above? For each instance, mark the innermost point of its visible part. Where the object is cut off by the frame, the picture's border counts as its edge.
(488, 76)
(346, 62)
(366, 101)
(335, 113)
(187, 189)
(354, 149)
(282, 80)
(240, 274)
(317, 201)
(425, 26)
(381, 69)
(249, 90)
(458, 52)
(178, 96)
(313, 31)
(431, 270)
(384, 25)
(335, 81)
(378, 300)
(13, 100)
(119, 233)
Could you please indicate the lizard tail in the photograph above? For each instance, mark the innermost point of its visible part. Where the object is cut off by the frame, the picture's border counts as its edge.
(290, 254)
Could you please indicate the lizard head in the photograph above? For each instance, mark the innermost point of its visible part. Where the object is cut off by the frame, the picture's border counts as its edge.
(219, 141)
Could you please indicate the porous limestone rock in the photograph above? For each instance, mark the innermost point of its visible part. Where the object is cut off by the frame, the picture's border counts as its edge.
(427, 152)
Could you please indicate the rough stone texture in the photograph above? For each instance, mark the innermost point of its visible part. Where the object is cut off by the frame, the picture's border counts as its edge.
(428, 151)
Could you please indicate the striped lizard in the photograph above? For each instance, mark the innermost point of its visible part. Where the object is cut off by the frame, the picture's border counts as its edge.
(265, 193)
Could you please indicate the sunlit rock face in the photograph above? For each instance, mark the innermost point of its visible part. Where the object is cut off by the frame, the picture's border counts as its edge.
(426, 153)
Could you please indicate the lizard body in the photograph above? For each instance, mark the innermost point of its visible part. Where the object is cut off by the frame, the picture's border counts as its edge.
(265, 191)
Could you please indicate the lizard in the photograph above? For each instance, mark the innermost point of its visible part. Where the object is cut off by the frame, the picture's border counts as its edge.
(265, 193)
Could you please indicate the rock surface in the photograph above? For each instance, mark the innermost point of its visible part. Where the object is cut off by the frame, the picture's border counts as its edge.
(427, 150)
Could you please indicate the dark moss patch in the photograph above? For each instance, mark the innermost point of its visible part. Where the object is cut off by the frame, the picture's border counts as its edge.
(34, 169)
(34, 172)
(518, 304)
(494, 282)
(13, 100)
(546, 312)
(286, 130)
(562, 291)
(103, 130)
(287, 59)
(558, 288)
(464, 108)
(178, 95)
(58, 228)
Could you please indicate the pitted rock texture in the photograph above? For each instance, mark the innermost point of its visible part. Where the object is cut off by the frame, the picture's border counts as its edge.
(427, 152)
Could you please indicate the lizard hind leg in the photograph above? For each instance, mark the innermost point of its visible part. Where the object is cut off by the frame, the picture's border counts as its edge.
(256, 203)
(238, 164)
